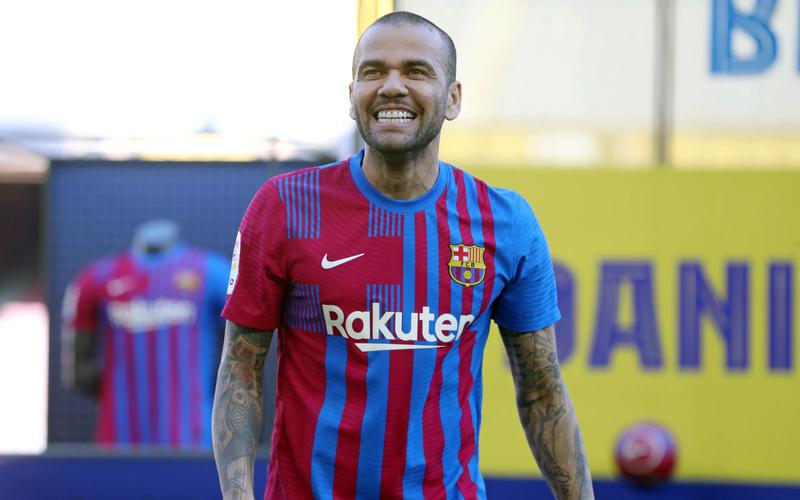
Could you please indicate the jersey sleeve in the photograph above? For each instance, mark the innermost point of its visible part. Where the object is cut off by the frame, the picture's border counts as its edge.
(81, 302)
(258, 281)
(529, 301)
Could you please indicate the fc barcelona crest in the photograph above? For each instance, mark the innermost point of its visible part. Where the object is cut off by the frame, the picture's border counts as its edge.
(466, 264)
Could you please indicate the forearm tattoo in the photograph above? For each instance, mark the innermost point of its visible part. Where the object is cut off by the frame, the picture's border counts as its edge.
(238, 408)
(547, 414)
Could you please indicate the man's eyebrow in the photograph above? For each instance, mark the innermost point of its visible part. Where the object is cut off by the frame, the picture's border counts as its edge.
(373, 63)
(420, 62)
(377, 63)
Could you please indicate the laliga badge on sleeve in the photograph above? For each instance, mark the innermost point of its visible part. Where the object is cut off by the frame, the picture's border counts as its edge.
(235, 263)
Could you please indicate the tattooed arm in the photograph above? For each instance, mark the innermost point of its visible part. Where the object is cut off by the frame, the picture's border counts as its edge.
(547, 414)
(238, 408)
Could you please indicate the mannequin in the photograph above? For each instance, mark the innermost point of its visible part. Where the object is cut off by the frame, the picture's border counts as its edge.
(151, 238)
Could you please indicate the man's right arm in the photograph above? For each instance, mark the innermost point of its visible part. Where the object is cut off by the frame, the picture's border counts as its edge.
(238, 408)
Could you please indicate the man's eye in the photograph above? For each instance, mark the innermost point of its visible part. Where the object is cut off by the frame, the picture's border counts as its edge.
(417, 72)
(370, 73)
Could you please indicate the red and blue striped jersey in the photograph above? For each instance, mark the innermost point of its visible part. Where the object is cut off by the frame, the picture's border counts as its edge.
(383, 310)
(157, 317)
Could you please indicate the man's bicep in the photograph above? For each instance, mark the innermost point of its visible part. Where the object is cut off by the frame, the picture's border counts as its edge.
(246, 344)
(533, 359)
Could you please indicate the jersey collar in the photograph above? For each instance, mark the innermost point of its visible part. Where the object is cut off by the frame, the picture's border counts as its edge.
(403, 206)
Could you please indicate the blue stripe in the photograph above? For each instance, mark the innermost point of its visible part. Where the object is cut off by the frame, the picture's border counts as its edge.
(449, 408)
(313, 197)
(320, 324)
(121, 389)
(326, 435)
(287, 206)
(306, 204)
(301, 213)
(409, 263)
(319, 209)
(142, 387)
(184, 380)
(279, 185)
(373, 426)
(309, 220)
(424, 363)
(295, 207)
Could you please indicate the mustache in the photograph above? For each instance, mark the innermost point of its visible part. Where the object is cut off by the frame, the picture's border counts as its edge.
(400, 103)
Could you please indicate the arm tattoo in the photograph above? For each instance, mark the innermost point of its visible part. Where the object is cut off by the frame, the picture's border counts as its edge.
(546, 412)
(238, 408)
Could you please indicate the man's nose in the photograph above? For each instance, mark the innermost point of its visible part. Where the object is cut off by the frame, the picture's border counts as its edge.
(393, 86)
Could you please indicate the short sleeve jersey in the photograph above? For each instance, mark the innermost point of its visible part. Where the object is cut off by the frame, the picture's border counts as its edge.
(157, 318)
(383, 310)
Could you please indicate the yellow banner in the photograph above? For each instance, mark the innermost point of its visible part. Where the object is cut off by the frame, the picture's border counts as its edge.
(679, 297)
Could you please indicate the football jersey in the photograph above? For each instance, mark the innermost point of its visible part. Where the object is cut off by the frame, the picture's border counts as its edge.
(383, 309)
(157, 316)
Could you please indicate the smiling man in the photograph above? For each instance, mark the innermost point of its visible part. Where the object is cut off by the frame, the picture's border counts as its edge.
(381, 275)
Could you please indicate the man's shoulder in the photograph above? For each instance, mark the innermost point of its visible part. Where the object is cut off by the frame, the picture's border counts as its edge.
(499, 197)
(307, 176)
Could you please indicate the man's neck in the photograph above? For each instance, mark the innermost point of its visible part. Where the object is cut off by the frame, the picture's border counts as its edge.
(402, 177)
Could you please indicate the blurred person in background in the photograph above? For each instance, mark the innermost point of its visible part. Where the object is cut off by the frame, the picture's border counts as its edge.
(142, 334)
(381, 274)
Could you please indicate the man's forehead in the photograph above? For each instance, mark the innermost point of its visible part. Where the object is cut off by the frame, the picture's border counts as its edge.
(405, 41)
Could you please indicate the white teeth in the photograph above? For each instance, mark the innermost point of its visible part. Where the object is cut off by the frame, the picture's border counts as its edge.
(396, 116)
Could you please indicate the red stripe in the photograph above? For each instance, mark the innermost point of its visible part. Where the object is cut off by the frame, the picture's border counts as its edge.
(433, 434)
(152, 384)
(302, 400)
(349, 440)
(130, 376)
(465, 483)
(485, 207)
(174, 387)
(195, 390)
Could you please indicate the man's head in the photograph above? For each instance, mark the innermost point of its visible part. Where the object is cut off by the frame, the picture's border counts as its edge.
(404, 83)
(403, 18)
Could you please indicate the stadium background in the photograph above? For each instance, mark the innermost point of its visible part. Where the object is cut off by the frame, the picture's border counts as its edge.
(658, 141)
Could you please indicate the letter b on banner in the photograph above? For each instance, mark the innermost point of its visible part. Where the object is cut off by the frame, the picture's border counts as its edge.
(726, 20)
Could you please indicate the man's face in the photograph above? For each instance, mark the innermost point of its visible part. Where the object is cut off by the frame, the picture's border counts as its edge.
(400, 93)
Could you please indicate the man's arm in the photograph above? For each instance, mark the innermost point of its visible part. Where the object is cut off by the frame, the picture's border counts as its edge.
(86, 376)
(547, 414)
(238, 408)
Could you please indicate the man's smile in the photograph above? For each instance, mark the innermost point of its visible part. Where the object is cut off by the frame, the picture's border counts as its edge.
(394, 116)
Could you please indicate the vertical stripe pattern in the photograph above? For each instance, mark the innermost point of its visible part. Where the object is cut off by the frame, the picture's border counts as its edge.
(303, 308)
(400, 369)
(383, 223)
(299, 193)
(330, 415)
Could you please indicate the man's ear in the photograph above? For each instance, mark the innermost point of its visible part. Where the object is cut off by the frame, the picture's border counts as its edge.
(453, 108)
(352, 106)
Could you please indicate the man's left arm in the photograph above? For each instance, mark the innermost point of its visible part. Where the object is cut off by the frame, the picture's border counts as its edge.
(546, 412)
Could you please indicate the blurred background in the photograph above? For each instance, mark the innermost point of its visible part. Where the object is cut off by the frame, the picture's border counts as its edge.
(657, 140)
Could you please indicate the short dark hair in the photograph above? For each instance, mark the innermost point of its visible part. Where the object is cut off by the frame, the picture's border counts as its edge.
(403, 18)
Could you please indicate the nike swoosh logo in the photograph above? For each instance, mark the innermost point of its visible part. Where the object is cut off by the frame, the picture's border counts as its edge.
(120, 285)
(330, 264)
